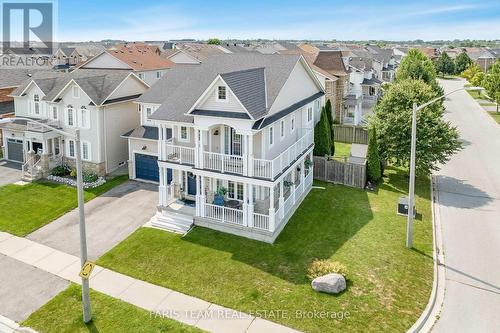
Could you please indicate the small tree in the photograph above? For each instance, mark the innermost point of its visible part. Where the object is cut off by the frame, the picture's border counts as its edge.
(478, 79)
(374, 171)
(437, 140)
(214, 41)
(322, 136)
(418, 66)
(462, 62)
(470, 72)
(492, 82)
(444, 64)
(328, 110)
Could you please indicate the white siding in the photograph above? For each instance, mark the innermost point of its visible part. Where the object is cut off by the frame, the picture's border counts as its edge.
(106, 60)
(131, 86)
(210, 102)
(298, 86)
(182, 58)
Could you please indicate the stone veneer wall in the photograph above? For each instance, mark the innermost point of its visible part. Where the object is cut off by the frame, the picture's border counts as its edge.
(98, 168)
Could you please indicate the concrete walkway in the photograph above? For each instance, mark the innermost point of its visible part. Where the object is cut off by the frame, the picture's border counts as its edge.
(468, 187)
(162, 301)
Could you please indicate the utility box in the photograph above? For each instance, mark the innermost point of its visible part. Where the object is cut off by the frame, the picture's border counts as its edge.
(403, 207)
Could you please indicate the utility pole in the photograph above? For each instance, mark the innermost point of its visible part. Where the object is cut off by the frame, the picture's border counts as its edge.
(87, 315)
(411, 196)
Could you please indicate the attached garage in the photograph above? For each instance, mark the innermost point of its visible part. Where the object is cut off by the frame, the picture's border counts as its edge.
(146, 167)
(15, 150)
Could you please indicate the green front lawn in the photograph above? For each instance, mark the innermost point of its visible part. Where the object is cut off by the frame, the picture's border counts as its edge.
(25, 208)
(388, 285)
(495, 115)
(64, 314)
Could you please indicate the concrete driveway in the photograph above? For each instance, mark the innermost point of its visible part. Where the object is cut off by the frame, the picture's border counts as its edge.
(110, 218)
(10, 172)
(469, 197)
(25, 288)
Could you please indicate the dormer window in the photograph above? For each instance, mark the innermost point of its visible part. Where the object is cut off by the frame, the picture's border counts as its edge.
(76, 92)
(221, 93)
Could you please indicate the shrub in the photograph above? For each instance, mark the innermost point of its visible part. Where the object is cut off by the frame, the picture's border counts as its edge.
(374, 171)
(320, 267)
(89, 177)
(61, 171)
(73, 173)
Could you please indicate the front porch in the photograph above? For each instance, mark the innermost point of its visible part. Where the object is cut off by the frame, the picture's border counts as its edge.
(237, 205)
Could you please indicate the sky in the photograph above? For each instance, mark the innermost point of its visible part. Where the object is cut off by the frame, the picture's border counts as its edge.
(290, 19)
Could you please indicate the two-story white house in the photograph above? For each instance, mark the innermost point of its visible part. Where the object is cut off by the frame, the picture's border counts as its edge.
(235, 141)
(98, 102)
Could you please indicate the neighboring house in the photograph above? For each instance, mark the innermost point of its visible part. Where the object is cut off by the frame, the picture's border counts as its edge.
(68, 57)
(363, 80)
(10, 79)
(143, 59)
(484, 58)
(192, 53)
(387, 59)
(239, 125)
(98, 102)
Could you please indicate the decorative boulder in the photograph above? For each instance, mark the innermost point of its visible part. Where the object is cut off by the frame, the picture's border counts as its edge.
(332, 283)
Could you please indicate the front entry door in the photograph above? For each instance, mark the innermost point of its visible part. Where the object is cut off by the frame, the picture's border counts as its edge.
(37, 146)
(191, 184)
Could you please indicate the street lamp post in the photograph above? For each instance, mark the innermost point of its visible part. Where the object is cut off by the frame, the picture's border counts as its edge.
(411, 190)
(87, 314)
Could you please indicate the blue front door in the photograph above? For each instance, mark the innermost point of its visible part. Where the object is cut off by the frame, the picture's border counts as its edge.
(191, 180)
(146, 167)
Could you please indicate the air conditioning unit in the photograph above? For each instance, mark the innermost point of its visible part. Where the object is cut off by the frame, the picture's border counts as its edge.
(403, 207)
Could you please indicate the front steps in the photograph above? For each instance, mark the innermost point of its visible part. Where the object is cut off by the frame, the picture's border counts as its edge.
(172, 221)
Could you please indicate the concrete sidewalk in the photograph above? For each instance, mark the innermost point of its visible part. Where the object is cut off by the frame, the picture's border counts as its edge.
(162, 301)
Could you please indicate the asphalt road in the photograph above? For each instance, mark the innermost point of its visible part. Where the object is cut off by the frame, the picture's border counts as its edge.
(110, 218)
(469, 197)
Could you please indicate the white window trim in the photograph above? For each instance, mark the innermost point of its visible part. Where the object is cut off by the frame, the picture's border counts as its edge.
(89, 157)
(87, 118)
(159, 74)
(282, 129)
(310, 108)
(77, 90)
(271, 136)
(188, 138)
(51, 111)
(292, 123)
(67, 116)
(69, 150)
(217, 94)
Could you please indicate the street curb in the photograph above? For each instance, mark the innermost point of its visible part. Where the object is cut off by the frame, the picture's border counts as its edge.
(431, 312)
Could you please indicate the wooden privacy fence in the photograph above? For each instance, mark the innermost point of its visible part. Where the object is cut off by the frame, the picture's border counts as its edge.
(350, 134)
(339, 172)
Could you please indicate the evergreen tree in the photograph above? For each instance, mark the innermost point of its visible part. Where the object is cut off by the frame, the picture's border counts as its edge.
(328, 110)
(322, 136)
(444, 64)
(374, 171)
(462, 62)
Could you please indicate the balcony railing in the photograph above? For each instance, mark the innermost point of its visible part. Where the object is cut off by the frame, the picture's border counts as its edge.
(240, 165)
(36, 127)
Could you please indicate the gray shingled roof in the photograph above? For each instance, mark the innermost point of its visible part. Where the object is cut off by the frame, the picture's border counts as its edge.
(146, 132)
(14, 77)
(249, 86)
(97, 84)
(182, 87)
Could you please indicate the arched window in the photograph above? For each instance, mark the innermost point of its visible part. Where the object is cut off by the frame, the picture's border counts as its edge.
(70, 115)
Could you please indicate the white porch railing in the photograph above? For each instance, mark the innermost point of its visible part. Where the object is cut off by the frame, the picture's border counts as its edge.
(224, 214)
(35, 127)
(260, 221)
(223, 162)
(272, 168)
(180, 154)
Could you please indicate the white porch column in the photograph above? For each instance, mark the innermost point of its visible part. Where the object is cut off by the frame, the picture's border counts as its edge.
(202, 195)
(196, 148)
(282, 199)
(292, 188)
(250, 155)
(244, 154)
(201, 147)
(198, 199)
(250, 206)
(272, 222)
(245, 204)
(161, 188)
(303, 174)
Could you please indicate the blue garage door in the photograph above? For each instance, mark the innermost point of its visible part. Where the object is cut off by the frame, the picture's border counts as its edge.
(146, 167)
